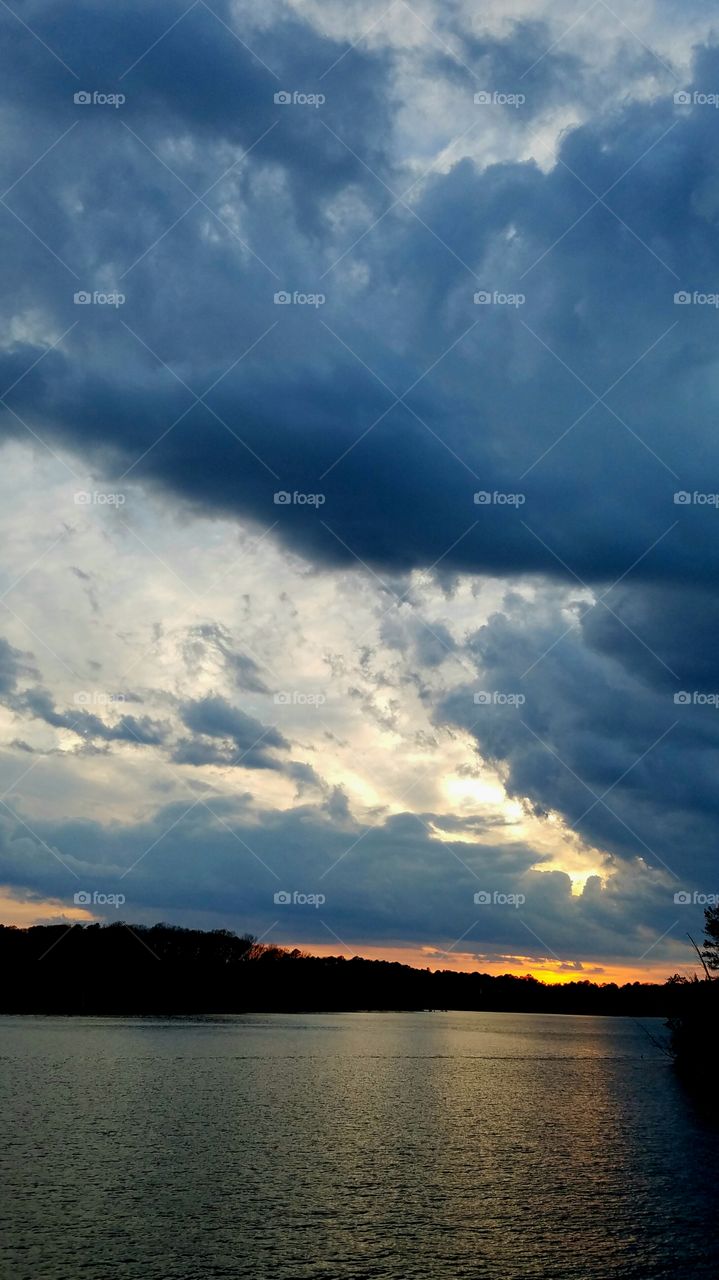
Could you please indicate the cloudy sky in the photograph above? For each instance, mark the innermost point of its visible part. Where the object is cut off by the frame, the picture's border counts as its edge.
(359, 474)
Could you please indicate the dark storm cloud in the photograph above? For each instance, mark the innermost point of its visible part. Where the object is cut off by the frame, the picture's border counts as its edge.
(490, 409)
(225, 735)
(430, 643)
(393, 882)
(143, 730)
(624, 748)
(215, 717)
(13, 665)
(209, 637)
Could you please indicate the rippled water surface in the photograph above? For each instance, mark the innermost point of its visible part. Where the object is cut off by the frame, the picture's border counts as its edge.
(290, 1147)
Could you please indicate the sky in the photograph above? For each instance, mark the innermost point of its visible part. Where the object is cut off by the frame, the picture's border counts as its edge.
(359, 475)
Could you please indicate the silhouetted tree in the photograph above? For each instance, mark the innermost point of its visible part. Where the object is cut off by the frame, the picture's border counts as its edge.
(711, 937)
(694, 1025)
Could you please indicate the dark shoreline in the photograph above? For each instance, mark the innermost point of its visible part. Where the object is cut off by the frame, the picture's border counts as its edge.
(162, 970)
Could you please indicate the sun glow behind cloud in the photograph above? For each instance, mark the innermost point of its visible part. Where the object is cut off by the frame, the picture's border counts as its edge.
(350, 701)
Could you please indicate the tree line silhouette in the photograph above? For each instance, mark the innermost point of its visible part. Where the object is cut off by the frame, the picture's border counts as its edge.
(121, 968)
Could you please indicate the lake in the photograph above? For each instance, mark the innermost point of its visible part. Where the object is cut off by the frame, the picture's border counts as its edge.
(294, 1147)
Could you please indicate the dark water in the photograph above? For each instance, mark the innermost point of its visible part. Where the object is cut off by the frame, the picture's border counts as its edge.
(360, 1145)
